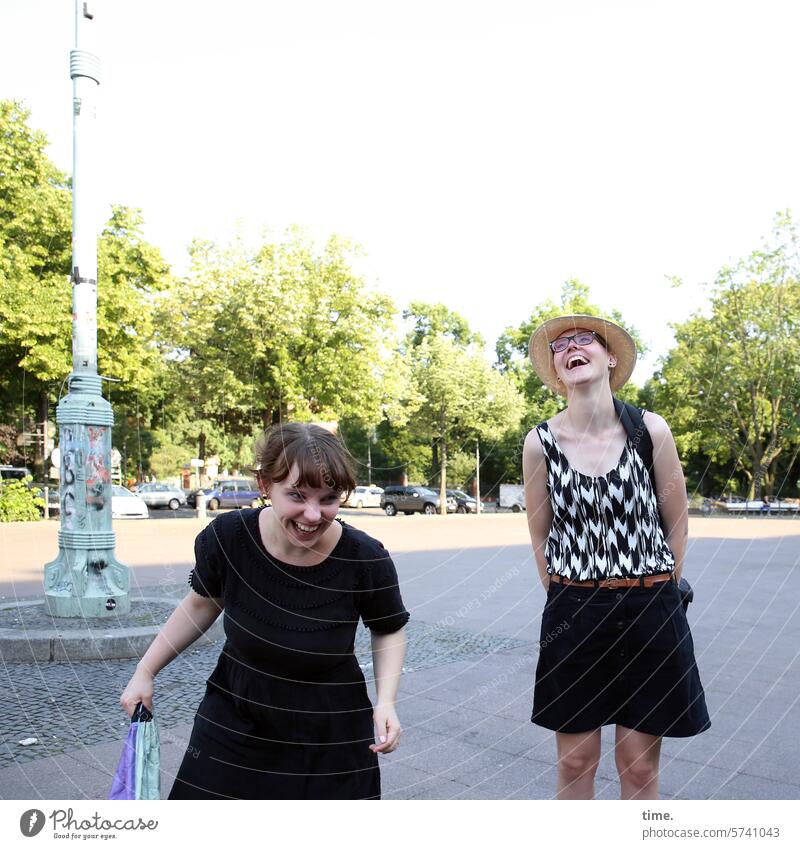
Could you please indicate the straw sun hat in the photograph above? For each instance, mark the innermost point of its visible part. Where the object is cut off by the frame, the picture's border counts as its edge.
(619, 343)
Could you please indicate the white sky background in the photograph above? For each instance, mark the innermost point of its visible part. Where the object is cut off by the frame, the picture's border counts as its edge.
(481, 153)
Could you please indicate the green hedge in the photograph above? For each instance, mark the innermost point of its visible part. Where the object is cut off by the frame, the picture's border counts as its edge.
(20, 503)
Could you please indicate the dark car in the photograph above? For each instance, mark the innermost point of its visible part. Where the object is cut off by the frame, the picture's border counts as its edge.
(236, 492)
(413, 499)
(14, 473)
(191, 496)
(464, 503)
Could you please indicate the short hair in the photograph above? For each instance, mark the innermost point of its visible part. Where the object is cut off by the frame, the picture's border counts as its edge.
(322, 460)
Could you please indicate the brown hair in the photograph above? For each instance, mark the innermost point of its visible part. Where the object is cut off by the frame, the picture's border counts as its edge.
(321, 458)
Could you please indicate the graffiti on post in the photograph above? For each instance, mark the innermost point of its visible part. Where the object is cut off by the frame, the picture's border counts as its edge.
(69, 468)
(98, 476)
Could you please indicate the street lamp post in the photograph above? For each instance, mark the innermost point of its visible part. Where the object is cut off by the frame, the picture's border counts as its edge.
(85, 579)
(477, 477)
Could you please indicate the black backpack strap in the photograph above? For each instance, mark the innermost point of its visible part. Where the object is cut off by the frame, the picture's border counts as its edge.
(632, 419)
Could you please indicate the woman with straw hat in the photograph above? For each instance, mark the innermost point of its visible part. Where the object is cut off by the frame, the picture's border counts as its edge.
(609, 542)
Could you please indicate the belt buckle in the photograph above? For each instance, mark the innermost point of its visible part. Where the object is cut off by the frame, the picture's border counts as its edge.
(612, 583)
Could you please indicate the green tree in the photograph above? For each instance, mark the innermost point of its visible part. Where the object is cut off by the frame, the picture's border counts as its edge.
(730, 383)
(430, 320)
(285, 331)
(462, 397)
(35, 294)
(133, 278)
(35, 246)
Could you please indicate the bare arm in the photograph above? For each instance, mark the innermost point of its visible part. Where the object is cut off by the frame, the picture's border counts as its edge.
(537, 501)
(670, 488)
(190, 619)
(388, 652)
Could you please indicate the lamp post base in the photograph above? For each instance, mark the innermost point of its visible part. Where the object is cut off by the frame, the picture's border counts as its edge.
(87, 582)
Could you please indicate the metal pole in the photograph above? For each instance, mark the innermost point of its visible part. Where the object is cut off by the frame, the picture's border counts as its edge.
(86, 579)
(477, 477)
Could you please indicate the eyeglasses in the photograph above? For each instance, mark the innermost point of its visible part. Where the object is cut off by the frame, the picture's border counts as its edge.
(581, 340)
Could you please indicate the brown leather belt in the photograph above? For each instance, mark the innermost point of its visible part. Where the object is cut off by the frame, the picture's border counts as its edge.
(616, 583)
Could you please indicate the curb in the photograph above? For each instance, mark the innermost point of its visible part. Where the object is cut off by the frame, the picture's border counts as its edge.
(53, 646)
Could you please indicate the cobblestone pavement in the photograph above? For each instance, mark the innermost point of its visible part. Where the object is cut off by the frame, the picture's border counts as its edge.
(70, 705)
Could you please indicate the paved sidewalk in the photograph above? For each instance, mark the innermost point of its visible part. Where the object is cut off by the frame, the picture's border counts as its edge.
(468, 736)
(465, 701)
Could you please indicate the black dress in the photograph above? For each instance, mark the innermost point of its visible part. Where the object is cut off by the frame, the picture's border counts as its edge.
(286, 713)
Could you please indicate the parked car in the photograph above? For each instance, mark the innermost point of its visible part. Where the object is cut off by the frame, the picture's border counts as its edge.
(127, 505)
(737, 504)
(161, 495)
(512, 497)
(124, 503)
(191, 497)
(413, 499)
(236, 492)
(464, 503)
(14, 473)
(364, 496)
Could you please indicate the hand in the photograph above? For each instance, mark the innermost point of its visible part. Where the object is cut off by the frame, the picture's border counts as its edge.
(139, 689)
(387, 729)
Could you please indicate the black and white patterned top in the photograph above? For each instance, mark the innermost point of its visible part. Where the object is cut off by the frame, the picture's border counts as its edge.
(604, 526)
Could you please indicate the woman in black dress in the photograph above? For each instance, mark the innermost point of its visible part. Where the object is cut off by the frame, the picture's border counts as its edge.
(286, 713)
(609, 544)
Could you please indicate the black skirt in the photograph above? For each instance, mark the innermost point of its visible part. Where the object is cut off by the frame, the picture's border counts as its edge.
(622, 657)
(275, 760)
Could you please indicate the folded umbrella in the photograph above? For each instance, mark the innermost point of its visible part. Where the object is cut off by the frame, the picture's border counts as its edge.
(138, 774)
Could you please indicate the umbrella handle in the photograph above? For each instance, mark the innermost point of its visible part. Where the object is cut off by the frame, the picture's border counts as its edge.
(141, 713)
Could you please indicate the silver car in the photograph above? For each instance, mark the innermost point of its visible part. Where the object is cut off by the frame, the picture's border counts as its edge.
(364, 496)
(161, 495)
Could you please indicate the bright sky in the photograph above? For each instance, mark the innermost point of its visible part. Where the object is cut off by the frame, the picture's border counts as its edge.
(480, 152)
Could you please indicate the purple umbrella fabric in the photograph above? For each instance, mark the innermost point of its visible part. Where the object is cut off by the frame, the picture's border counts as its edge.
(138, 774)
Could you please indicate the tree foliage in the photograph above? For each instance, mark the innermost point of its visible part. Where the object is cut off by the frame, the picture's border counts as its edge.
(462, 398)
(35, 247)
(730, 384)
(35, 293)
(284, 331)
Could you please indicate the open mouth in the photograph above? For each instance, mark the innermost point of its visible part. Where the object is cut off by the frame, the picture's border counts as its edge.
(576, 361)
(306, 530)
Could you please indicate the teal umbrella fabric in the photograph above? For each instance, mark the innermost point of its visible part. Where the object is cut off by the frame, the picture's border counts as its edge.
(138, 774)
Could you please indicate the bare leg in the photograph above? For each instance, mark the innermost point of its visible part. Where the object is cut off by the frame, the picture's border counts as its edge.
(637, 756)
(578, 756)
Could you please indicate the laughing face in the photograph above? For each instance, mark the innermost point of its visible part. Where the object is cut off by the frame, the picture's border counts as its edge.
(581, 364)
(303, 513)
